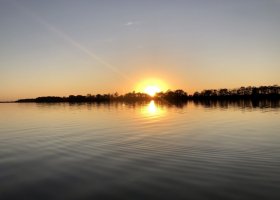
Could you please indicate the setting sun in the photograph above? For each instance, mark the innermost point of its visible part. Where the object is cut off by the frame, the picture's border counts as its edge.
(152, 90)
(151, 86)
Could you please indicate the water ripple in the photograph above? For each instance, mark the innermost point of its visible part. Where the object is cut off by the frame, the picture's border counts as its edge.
(145, 151)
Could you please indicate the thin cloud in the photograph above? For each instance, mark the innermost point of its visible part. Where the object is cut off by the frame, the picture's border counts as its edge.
(129, 24)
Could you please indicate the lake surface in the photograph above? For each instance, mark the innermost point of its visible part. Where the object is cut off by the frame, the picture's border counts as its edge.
(206, 150)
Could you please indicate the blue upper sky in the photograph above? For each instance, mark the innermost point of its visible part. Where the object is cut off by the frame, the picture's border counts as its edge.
(67, 47)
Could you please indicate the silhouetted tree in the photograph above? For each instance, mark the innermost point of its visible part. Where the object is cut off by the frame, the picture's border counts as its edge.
(176, 96)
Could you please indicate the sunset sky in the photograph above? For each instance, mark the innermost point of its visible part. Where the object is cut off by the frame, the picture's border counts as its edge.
(75, 47)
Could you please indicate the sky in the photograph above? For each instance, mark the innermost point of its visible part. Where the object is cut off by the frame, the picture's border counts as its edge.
(68, 47)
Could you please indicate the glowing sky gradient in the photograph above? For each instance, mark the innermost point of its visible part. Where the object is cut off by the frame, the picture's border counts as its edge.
(77, 47)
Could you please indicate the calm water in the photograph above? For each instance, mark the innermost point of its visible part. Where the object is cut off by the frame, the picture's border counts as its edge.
(142, 151)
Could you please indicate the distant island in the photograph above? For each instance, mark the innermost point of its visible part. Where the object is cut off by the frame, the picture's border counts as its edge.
(254, 93)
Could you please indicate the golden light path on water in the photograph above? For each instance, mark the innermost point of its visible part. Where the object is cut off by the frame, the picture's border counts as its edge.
(153, 110)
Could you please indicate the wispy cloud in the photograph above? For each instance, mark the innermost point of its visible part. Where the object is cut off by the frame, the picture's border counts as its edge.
(131, 23)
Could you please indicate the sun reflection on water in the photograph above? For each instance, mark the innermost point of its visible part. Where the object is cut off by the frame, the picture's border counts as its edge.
(153, 110)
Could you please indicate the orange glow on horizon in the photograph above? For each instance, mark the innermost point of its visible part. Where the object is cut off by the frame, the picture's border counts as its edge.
(151, 86)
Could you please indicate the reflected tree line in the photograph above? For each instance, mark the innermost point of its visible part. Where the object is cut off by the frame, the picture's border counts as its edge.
(238, 103)
(172, 96)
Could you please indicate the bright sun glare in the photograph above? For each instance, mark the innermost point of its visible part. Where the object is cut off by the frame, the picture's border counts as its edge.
(152, 90)
(151, 86)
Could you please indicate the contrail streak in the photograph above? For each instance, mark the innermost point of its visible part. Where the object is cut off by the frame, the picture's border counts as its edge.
(70, 40)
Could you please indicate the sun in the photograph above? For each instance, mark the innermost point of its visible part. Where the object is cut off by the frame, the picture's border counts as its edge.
(152, 90)
(151, 86)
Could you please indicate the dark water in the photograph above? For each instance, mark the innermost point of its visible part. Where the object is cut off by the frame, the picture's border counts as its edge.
(209, 150)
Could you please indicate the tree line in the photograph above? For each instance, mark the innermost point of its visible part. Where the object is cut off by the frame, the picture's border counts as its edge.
(270, 92)
(242, 92)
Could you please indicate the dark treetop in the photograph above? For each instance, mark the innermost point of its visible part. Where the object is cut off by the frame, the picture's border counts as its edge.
(254, 93)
